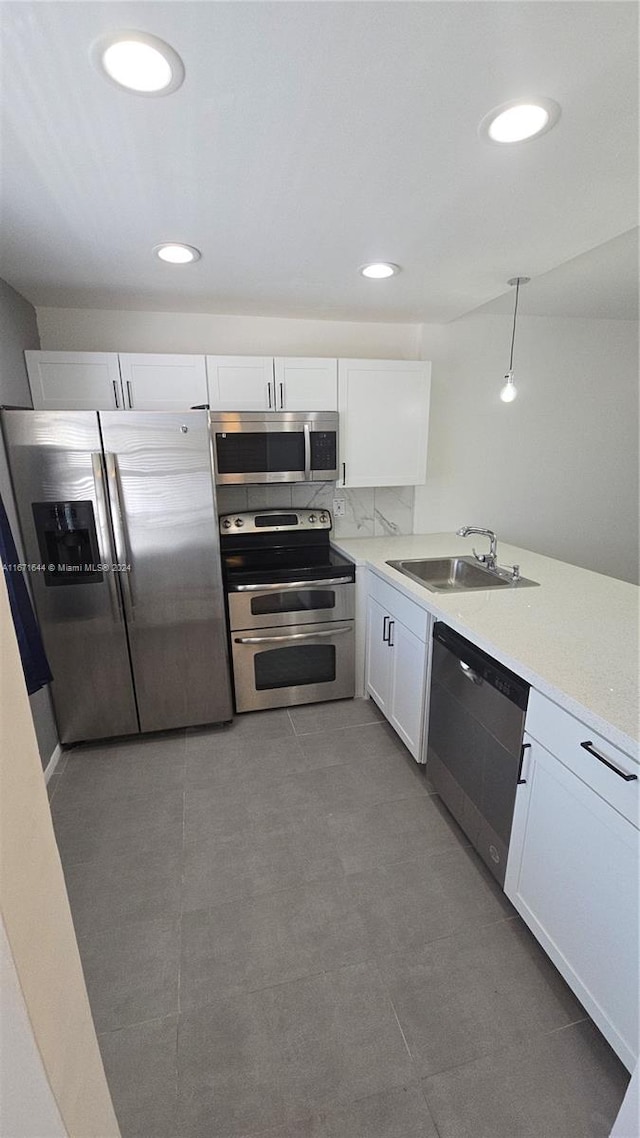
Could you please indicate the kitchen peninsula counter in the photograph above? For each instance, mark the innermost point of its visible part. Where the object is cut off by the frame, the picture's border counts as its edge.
(574, 638)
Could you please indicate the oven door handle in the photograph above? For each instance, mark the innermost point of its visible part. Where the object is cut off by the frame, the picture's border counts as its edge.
(295, 636)
(290, 585)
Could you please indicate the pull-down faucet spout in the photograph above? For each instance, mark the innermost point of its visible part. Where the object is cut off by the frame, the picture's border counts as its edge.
(489, 559)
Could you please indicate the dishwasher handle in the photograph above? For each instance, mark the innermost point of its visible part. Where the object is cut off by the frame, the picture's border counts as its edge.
(469, 674)
(478, 665)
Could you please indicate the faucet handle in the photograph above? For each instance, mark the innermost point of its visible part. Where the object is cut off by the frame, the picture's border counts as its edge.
(481, 557)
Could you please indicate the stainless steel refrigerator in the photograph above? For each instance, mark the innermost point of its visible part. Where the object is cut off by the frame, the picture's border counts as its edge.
(118, 518)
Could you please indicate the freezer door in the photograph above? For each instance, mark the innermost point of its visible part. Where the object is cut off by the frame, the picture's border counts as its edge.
(59, 483)
(159, 470)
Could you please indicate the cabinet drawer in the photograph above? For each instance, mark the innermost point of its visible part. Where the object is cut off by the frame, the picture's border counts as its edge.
(415, 618)
(564, 735)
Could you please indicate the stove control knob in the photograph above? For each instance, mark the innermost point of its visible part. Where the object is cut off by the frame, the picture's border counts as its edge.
(239, 522)
(324, 519)
(226, 523)
(312, 518)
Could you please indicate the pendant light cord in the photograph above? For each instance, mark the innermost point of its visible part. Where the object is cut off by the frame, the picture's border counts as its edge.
(513, 336)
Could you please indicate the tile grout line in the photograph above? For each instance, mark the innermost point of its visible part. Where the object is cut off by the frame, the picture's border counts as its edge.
(536, 1035)
(240, 992)
(293, 726)
(421, 1082)
(138, 1023)
(333, 878)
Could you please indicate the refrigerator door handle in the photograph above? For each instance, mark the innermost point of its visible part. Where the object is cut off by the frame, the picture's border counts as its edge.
(104, 535)
(120, 533)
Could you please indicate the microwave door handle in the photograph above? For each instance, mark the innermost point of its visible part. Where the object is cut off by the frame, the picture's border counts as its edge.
(104, 535)
(119, 532)
(291, 585)
(307, 452)
(294, 636)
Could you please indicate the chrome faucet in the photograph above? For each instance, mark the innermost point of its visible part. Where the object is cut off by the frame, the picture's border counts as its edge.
(489, 559)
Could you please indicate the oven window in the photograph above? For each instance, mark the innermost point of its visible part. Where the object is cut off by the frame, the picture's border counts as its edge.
(292, 667)
(293, 600)
(259, 452)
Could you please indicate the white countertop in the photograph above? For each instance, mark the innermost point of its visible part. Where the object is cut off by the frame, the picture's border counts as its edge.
(575, 638)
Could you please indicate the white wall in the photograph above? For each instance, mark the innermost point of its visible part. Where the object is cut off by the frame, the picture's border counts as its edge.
(39, 929)
(27, 1106)
(106, 330)
(557, 470)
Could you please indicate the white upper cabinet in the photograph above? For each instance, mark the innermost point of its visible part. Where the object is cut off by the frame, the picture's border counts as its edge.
(259, 383)
(74, 381)
(153, 382)
(241, 383)
(384, 421)
(306, 384)
(106, 381)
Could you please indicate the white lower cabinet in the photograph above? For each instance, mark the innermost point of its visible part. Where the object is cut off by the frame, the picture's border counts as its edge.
(378, 656)
(397, 655)
(572, 874)
(406, 710)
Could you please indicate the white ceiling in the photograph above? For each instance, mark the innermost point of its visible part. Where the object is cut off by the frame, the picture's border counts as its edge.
(600, 284)
(309, 138)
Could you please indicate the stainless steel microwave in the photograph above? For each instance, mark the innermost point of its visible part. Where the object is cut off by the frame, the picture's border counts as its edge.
(275, 446)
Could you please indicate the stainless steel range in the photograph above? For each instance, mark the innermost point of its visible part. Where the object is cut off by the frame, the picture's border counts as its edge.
(291, 607)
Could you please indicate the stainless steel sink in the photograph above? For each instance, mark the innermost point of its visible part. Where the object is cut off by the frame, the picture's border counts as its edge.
(456, 575)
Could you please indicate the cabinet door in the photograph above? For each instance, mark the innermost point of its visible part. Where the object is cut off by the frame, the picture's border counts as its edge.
(163, 382)
(384, 421)
(306, 384)
(241, 383)
(74, 381)
(572, 874)
(409, 657)
(378, 671)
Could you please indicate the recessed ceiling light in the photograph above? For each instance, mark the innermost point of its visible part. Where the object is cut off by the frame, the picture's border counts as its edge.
(140, 62)
(379, 270)
(519, 120)
(176, 253)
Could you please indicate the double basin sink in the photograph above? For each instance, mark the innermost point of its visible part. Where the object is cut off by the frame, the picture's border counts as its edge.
(457, 575)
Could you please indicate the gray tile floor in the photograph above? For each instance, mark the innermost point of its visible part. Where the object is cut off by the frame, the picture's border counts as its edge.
(284, 934)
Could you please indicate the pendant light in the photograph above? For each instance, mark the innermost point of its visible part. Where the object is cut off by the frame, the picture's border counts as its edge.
(509, 391)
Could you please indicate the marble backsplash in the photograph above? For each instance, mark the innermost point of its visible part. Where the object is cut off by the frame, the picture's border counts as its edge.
(369, 511)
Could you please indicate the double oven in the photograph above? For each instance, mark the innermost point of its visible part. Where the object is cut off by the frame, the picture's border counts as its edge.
(291, 609)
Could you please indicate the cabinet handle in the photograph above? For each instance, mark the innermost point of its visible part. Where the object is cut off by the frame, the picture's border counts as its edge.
(524, 747)
(115, 394)
(588, 746)
(282, 396)
(385, 630)
(130, 394)
(344, 473)
(269, 395)
(390, 642)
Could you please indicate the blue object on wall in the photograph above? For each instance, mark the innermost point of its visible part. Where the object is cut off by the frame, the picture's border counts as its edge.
(35, 665)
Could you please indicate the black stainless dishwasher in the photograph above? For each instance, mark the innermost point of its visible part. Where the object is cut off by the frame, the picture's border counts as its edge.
(474, 754)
